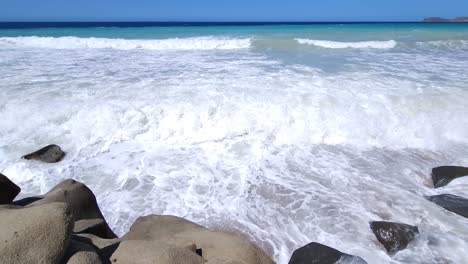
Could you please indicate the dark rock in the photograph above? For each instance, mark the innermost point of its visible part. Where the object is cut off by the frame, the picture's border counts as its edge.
(49, 154)
(315, 253)
(80, 253)
(79, 198)
(27, 200)
(95, 241)
(8, 190)
(441, 176)
(96, 227)
(38, 234)
(393, 236)
(453, 203)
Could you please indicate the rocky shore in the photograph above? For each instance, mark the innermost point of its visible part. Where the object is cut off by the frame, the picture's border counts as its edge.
(65, 225)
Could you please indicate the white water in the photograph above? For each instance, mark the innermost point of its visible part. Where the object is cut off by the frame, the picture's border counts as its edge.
(285, 154)
(344, 45)
(195, 43)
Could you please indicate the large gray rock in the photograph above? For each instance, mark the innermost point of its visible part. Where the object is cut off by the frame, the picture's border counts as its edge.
(453, 203)
(48, 154)
(315, 253)
(38, 234)
(149, 252)
(215, 246)
(80, 199)
(8, 190)
(80, 253)
(393, 236)
(443, 175)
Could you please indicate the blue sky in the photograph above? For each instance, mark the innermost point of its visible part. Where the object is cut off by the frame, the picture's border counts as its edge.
(234, 10)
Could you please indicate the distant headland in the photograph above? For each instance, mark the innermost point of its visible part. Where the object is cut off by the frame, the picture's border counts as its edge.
(440, 19)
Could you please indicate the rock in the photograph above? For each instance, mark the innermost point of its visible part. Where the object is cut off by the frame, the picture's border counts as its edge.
(8, 190)
(95, 241)
(315, 253)
(80, 253)
(27, 200)
(38, 234)
(79, 198)
(96, 227)
(215, 246)
(453, 203)
(149, 252)
(48, 154)
(393, 236)
(441, 176)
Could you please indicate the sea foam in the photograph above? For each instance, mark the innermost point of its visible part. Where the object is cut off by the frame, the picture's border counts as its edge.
(345, 45)
(195, 43)
(283, 147)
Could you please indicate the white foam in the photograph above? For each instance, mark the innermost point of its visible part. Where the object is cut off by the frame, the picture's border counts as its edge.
(195, 43)
(285, 154)
(450, 44)
(345, 45)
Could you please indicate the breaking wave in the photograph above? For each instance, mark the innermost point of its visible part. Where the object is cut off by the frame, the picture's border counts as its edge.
(195, 43)
(345, 45)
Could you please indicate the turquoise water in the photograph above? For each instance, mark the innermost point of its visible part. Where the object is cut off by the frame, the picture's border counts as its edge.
(399, 31)
(287, 134)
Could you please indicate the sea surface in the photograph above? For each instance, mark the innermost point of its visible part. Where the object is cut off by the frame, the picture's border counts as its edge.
(285, 133)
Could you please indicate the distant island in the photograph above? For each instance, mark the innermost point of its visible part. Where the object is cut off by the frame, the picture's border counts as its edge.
(440, 19)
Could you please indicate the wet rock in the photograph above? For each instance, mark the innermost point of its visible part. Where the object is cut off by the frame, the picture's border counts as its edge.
(315, 253)
(80, 199)
(8, 190)
(38, 234)
(215, 246)
(453, 203)
(442, 176)
(80, 253)
(393, 236)
(149, 252)
(48, 154)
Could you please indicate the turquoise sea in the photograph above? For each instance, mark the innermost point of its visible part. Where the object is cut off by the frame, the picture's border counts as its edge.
(284, 133)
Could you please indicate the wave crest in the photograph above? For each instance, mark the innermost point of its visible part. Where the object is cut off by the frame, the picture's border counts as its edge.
(345, 45)
(195, 43)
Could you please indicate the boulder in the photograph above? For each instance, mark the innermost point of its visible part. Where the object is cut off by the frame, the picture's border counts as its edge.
(393, 236)
(96, 227)
(453, 203)
(8, 190)
(149, 252)
(215, 246)
(80, 199)
(80, 253)
(48, 154)
(315, 253)
(95, 241)
(441, 176)
(38, 234)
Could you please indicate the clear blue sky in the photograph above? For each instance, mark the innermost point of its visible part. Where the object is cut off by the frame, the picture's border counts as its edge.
(234, 10)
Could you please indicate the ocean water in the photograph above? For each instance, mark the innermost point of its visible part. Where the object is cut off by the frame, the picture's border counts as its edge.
(286, 134)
